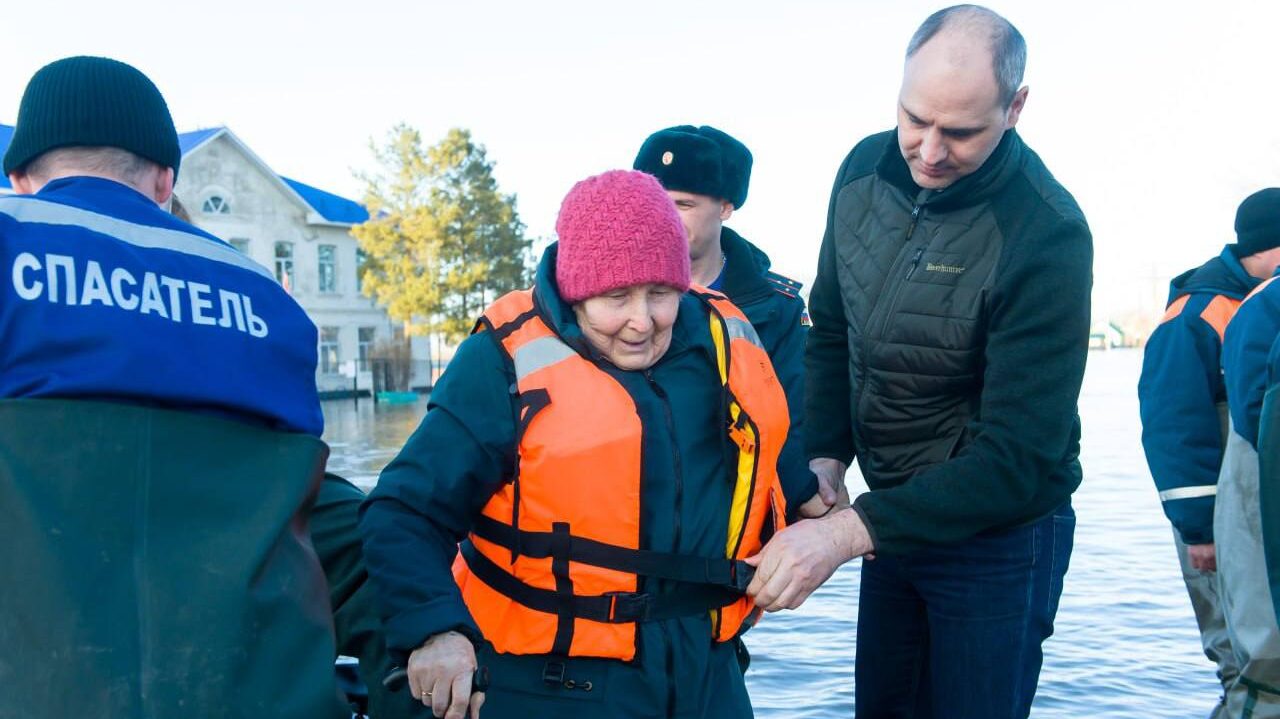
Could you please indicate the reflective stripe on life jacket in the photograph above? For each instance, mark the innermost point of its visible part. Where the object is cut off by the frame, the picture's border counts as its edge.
(552, 564)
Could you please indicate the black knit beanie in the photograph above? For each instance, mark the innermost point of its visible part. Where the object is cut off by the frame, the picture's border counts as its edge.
(1258, 222)
(92, 101)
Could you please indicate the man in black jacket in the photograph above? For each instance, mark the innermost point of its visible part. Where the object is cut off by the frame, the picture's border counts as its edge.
(951, 319)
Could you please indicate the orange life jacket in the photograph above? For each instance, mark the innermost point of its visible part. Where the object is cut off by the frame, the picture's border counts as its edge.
(552, 565)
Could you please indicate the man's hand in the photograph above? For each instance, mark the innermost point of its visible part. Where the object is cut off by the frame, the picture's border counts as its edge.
(830, 480)
(440, 676)
(803, 556)
(1202, 557)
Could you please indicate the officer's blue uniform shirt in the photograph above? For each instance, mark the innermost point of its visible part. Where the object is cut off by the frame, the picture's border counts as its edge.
(718, 283)
(107, 296)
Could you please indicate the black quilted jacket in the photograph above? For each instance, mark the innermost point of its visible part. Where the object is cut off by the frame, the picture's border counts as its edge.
(949, 342)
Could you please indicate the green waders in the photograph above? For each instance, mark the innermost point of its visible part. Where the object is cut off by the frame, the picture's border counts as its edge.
(157, 564)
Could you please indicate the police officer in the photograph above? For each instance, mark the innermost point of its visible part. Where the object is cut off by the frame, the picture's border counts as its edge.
(706, 172)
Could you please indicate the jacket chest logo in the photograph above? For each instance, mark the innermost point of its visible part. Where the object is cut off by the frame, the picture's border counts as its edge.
(944, 269)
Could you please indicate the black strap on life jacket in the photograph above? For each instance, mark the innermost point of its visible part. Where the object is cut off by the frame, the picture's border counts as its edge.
(531, 403)
(609, 608)
(501, 332)
(564, 589)
(729, 574)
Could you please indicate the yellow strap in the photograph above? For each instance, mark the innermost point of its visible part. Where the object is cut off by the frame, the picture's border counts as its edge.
(717, 336)
(745, 438)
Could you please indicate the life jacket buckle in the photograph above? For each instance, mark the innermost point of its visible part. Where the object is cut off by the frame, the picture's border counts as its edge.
(740, 575)
(627, 607)
(553, 673)
(738, 434)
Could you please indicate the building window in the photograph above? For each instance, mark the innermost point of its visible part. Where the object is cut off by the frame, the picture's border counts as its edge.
(365, 347)
(241, 243)
(361, 258)
(329, 347)
(328, 268)
(284, 264)
(216, 205)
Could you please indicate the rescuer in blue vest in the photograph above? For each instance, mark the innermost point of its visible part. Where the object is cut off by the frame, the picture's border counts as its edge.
(159, 433)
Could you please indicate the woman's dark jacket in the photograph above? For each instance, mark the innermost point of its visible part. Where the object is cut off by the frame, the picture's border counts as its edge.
(465, 449)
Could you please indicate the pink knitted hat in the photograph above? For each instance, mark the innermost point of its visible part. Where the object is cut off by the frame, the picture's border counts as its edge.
(616, 230)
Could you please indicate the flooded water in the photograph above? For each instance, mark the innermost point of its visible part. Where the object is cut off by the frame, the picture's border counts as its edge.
(1126, 645)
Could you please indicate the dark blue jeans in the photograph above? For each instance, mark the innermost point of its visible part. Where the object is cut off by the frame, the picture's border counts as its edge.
(955, 632)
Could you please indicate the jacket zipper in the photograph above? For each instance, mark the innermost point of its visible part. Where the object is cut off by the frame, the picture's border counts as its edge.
(897, 290)
(915, 262)
(675, 455)
(679, 477)
(915, 216)
(911, 270)
(916, 208)
(671, 669)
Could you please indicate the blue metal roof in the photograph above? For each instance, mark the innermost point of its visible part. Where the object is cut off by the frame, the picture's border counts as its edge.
(333, 208)
(330, 206)
(187, 141)
(6, 135)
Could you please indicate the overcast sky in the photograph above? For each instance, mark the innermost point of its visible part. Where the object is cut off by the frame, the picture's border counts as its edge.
(1159, 117)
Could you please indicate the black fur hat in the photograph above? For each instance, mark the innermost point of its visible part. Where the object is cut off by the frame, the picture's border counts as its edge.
(702, 160)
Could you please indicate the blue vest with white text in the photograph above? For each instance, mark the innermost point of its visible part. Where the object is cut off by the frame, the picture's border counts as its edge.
(107, 296)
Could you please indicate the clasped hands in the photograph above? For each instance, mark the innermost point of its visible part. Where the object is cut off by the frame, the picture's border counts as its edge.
(798, 559)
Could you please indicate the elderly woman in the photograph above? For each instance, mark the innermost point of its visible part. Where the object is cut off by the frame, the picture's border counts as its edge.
(596, 464)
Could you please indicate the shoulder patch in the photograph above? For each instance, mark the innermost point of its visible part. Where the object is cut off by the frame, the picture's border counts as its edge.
(1175, 308)
(1219, 312)
(785, 285)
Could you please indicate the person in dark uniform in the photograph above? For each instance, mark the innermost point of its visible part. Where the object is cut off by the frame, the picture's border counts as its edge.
(1183, 401)
(706, 173)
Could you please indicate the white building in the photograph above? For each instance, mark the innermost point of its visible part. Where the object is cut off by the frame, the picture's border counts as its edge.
(301, 233)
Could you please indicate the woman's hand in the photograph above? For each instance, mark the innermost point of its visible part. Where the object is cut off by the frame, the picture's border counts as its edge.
(832, 494)
(815, 506)
(440, 674)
